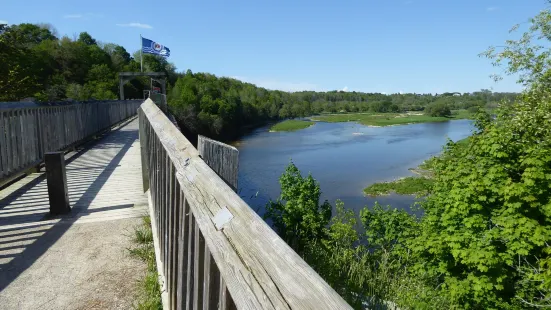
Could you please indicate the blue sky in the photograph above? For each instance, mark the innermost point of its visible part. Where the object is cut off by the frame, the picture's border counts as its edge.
(385, 46)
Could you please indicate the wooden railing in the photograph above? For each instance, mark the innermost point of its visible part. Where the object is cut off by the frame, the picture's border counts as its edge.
(214, 251)
(27, 133)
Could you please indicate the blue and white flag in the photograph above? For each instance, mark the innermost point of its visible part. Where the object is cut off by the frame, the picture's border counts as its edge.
(151, 47)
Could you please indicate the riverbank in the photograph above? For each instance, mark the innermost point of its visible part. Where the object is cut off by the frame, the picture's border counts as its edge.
(414, 185)
(404, 186)
(291, 125)
(390, 119)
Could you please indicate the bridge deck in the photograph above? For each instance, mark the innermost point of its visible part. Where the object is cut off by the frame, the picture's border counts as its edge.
(77, 261)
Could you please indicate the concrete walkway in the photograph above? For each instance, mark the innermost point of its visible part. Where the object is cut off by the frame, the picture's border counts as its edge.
(77, 261)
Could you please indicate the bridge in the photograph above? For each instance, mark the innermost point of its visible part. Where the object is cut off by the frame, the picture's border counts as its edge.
(123, 160)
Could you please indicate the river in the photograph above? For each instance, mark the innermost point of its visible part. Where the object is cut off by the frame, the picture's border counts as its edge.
(343, 157)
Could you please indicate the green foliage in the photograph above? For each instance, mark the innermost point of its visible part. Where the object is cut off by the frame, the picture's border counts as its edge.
(386, 119)
(220, 107)
(438, 109)
(291, 125)
(486, 227)
(366, 268)
(387, 229)
(404, 186)
(36, 63)
(297, 215)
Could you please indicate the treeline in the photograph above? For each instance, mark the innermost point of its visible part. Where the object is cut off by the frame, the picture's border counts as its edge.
(220, 107)
(36, 63)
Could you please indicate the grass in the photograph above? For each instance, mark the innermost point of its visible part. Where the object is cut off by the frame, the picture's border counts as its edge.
(412, 185)
(150, 290)
(388, 119)
(462, 114)
(291, 125)
(405, 186)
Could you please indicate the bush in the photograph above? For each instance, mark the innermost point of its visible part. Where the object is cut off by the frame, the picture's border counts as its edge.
(438, 109)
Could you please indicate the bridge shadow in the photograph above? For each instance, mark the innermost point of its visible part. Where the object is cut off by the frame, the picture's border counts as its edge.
(26, 229)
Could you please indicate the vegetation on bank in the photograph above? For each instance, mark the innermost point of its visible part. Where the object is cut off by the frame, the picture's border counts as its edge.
(364, 260)
(291, 125)
(149, 296)
(380, 119)
(389, 119)
(483, 239)
(405, 186)
(417, 185)
(39, 63)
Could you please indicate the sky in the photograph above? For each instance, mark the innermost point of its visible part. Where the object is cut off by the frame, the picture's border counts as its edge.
(387, 46)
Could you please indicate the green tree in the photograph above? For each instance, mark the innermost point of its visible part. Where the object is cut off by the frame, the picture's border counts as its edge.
(487, 222)
(297, 215)
(438, 109)
(87, 39)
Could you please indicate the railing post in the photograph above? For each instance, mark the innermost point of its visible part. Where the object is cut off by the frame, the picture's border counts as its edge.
(143, 150)
(222, 158)
(57, 183)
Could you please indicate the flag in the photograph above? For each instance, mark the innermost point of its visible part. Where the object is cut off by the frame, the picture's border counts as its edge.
(151, 47)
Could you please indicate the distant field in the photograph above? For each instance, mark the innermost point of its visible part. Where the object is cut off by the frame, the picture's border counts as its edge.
(291, 125)
(388, 119)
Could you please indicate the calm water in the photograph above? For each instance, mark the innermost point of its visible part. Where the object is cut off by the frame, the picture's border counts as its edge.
(343, 157)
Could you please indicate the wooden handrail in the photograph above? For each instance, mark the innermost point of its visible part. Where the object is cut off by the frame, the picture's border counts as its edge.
(27, 133)
(210, 239)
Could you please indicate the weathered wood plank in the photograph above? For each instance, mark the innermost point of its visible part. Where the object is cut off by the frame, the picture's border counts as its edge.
(58, 194)
(174, 250)
(181, 295)
(199, 263)
(28, 133)
(7, 128)
(143, 150)
(170, 230)
(211, 295)
(190, 261)
(3, 147)
(259, 269)
(222, 158)
(14, 145)
(162, 204)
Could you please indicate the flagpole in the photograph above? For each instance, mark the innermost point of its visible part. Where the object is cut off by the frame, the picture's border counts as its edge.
(141, 55)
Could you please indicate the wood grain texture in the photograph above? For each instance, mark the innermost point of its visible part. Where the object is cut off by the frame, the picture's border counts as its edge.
(220, 157)
(259, 269)
(3, 146)
(26, 134)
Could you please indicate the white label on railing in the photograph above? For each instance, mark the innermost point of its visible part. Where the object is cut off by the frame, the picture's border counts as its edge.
(222, 217)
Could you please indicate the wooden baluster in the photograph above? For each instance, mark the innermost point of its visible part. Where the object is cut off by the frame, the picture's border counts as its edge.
(198, 270)
(190, 264)
(211, 292)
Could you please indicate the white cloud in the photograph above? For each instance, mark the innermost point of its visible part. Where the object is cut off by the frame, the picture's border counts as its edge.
(2, 22)
(492, 8)
(85, 16)
(136, 25)
(73, 16)
(279, 85)
(345, 88)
